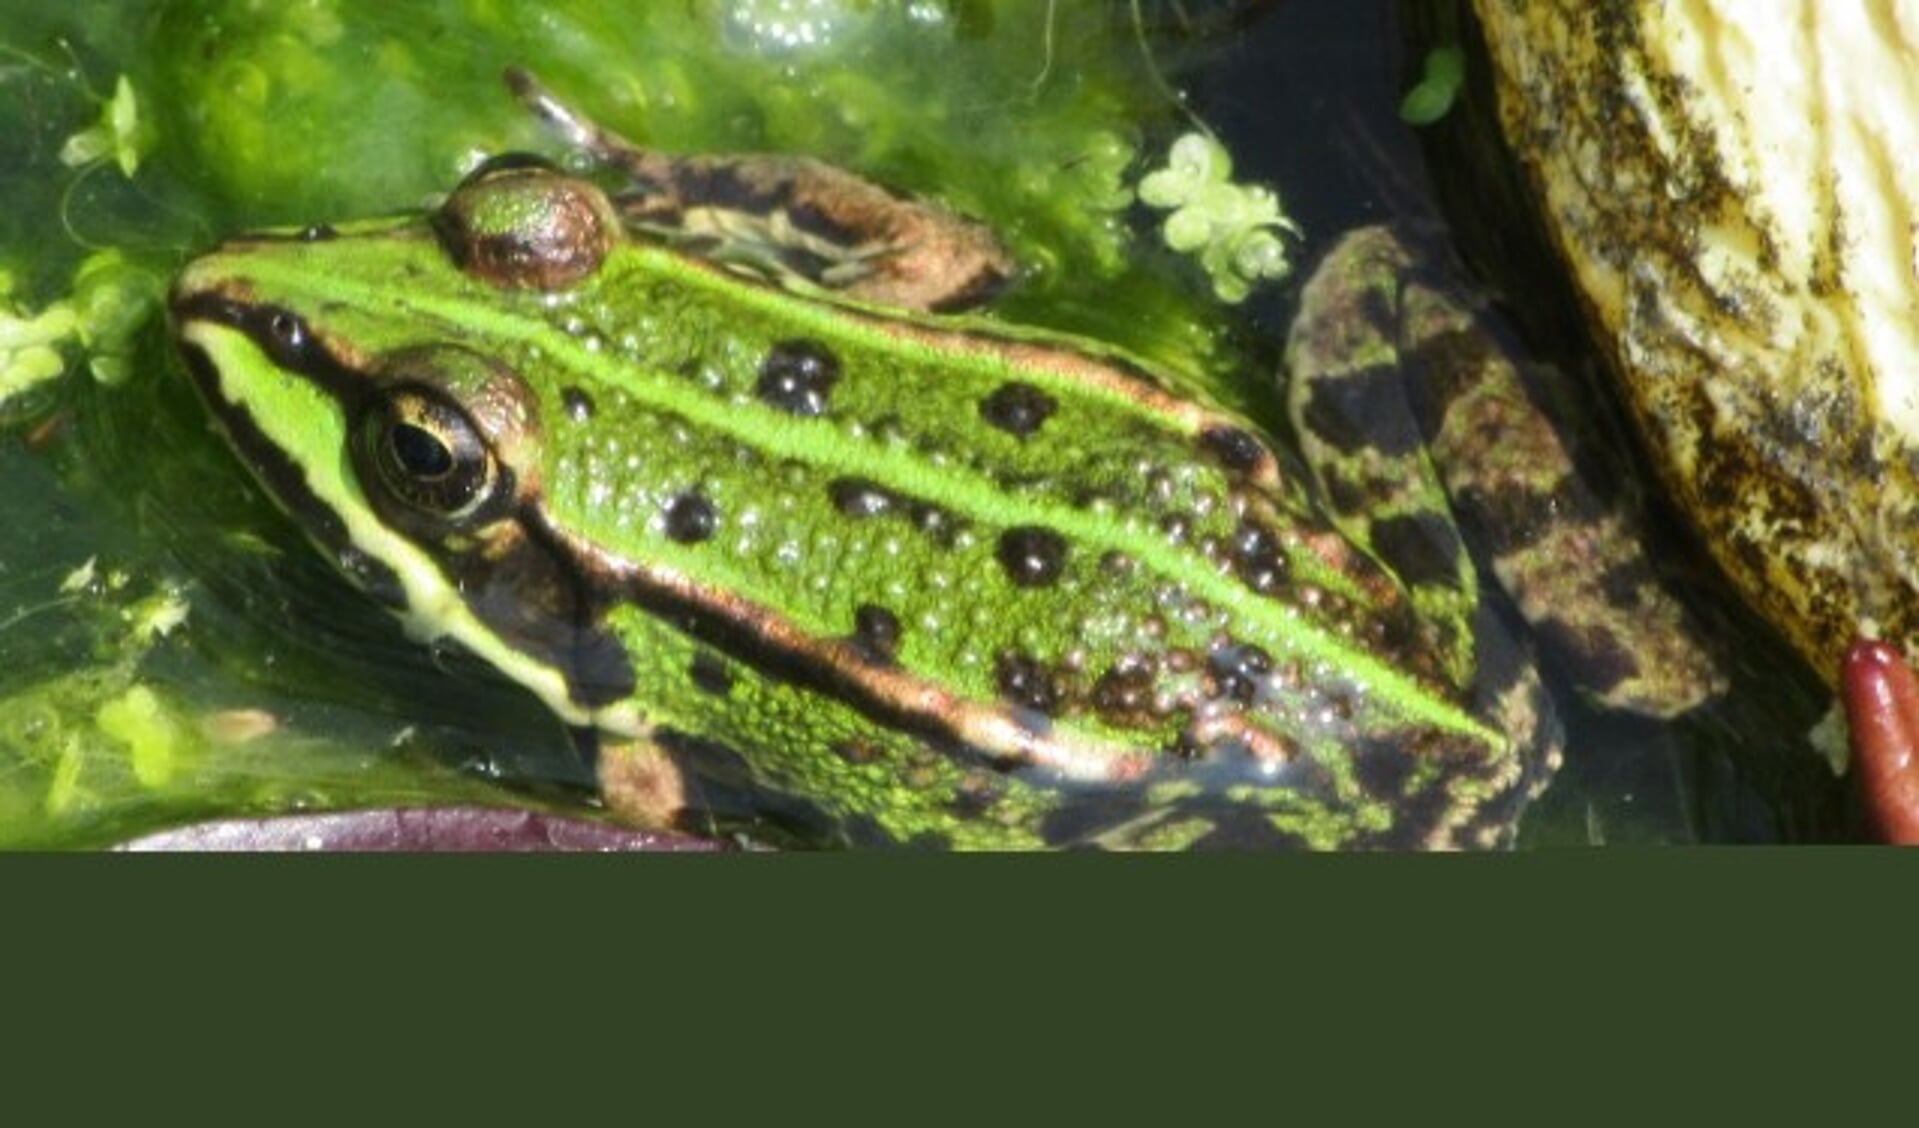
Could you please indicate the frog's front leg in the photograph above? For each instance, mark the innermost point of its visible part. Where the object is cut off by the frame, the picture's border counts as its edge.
(794, 217)
(1414, 417)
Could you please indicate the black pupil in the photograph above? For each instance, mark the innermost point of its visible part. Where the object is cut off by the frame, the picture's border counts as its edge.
(419, 451)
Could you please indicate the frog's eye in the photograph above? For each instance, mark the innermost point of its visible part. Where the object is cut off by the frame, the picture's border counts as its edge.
(421, 451)
(446, 440)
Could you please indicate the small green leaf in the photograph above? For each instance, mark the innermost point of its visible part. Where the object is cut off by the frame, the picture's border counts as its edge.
(1438, 88)
(1187, 230)
(120, 133)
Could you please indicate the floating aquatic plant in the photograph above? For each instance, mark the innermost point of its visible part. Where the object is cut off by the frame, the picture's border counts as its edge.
(1237, 230)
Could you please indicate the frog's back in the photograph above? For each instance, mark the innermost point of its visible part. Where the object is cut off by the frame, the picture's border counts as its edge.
(932, 580)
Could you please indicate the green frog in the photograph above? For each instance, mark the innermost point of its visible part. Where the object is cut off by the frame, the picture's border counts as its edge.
(718, 465)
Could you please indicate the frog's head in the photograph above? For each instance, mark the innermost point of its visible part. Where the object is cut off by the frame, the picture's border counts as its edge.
(349, 367)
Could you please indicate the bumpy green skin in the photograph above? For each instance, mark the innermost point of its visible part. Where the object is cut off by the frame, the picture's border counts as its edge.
(885, 606)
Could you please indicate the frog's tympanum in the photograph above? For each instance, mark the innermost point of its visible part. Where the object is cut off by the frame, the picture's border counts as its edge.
(709, 464)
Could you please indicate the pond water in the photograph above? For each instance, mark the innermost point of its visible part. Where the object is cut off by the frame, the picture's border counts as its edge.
(170, 648)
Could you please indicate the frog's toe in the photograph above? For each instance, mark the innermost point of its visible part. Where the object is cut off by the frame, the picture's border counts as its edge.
(1882, 713)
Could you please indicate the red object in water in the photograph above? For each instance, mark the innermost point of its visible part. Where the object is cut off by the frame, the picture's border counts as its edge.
(1882, 712)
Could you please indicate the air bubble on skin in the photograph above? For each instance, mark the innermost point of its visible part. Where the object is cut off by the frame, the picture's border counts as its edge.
(892, 546)
(789, 553)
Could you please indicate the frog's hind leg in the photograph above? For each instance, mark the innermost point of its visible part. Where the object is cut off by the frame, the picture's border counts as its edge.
(793, 219)
(1572, 562)
(1360, 433)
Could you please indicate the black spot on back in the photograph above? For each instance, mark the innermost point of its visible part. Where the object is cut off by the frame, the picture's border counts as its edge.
(1032, 556)
(691, 518)
(876, 633)
(857, 497)
(1027, 682)
(1257, 559)
(797, 377)
(1018, 409)
(1236, 449)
